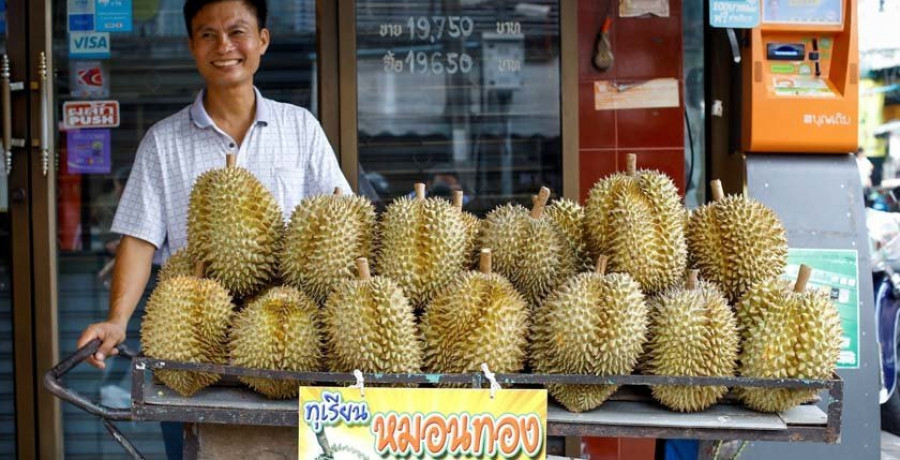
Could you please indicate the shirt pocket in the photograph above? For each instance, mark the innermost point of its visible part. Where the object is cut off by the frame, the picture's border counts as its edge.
(287, 188)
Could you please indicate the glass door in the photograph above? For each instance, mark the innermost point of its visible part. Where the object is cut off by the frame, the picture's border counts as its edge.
(131, 59)
(462, 95)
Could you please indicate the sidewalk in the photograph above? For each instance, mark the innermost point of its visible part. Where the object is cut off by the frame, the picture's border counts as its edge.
(890, 446)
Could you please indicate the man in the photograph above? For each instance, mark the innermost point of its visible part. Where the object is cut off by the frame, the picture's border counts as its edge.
(281, 144)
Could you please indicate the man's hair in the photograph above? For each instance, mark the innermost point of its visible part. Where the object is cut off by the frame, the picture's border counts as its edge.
(192, 7)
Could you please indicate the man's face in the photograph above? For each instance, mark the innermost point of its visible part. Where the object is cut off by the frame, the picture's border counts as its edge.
(227, 43)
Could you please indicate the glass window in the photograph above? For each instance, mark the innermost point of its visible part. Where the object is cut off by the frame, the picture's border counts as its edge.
(460, 94)
(152, 75)
(7, 393)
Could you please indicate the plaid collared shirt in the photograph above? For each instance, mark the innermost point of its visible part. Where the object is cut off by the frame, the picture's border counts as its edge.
(285, 148)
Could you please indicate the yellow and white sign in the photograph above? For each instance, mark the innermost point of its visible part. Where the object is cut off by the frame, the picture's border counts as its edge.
(340, 423)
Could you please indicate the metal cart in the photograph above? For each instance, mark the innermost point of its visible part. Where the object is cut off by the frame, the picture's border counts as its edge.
(627, 414)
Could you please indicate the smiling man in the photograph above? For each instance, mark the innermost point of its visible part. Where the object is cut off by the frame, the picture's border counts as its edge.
(281, 144)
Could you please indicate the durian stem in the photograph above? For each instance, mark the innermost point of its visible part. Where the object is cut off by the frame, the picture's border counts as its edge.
(458, 198)
(484, 264)
(693, 277)
(230, 160)
(717, 192)
(631, 164)
(601, 264)
(362, 266)
(420, 191)
(338, 191)
(538, 210)
(802, 278)
(199, 269)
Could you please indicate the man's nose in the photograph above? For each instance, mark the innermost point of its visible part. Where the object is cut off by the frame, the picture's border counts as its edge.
(224, 44)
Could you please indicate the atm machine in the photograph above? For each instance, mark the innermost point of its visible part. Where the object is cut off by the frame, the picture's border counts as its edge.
(799, 121)
(801, 78)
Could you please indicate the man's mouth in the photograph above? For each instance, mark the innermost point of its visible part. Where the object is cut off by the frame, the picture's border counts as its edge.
(225, 63)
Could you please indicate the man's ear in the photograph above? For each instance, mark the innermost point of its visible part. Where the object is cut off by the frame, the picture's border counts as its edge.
(264, 40)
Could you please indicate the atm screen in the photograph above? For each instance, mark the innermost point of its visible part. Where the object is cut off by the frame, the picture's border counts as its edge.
(803, 12)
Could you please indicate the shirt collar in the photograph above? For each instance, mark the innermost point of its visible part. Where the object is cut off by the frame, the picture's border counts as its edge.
(202, 119)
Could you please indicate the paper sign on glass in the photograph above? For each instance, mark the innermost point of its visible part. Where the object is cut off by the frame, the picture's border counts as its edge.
(422, 423)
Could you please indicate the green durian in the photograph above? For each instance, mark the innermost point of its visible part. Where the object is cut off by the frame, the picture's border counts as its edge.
(187, 319)
(798, 337)
(371, 326)
(178, 264)
(478, 318)
(693, 333)
(324, 238)
(595, 324)
(277, 331)
(235, 228)
(637, 219)
(758, 300)
(473, 229)
(569, 217)
(736, 242)
(528, 248)
(423, 245)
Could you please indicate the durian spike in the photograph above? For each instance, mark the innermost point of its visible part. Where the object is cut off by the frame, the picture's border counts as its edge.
(484, 264)
(362, 266)
(458, 199)
(631, 164)
(538, 210)
(420, 191)
(230, 160)
(601, 265)
(338, 191)
(199, 269)
(717, 192)
(802, 278)
(693, 277)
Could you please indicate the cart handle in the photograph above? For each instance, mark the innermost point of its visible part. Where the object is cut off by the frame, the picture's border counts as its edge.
(53, 384)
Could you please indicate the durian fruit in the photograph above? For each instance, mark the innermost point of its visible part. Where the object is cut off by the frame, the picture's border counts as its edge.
(758, 300)
(694, 333)
(423, 245)
(637, 219)
(569, 217)
(735, 242)
(324, 238)
(528, 248)
(178, 264)
(371, 326)
(187, 319)
(593, 324)
(235, 228)
(798, 337)
(277, 331)
(473, 228)
(478, 318)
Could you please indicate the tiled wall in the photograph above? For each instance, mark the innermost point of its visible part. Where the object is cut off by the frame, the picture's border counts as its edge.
(644, 48)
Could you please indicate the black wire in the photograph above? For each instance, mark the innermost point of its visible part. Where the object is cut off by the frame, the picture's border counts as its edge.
(690, 177)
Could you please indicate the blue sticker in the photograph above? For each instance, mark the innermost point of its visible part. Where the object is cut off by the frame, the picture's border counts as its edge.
(89, 45)
(81, 22)
(2, 16)
(113, 15)
(88, 151)
(735, 14)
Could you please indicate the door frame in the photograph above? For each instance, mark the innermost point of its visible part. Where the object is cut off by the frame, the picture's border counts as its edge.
(20, 230)
(43, 219)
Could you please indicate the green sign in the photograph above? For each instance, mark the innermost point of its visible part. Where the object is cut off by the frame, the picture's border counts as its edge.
(783, 68)
(837, 270)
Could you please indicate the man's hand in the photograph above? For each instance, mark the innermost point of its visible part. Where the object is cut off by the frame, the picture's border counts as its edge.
(110, 334)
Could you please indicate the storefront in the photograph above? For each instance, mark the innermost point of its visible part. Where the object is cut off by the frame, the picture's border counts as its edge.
(493, 97)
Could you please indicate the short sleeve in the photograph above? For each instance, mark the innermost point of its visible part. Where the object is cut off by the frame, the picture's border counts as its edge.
(323, 170)
(141, 210)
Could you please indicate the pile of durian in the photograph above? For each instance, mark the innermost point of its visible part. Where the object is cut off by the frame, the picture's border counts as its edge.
(631, 282)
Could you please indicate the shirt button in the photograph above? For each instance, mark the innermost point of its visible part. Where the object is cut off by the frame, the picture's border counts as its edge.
(231, 145)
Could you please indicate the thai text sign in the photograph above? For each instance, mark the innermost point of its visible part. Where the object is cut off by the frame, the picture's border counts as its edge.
(91, 114)
(422, 423)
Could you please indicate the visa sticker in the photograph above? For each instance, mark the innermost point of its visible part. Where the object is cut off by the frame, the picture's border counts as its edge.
(89, 45)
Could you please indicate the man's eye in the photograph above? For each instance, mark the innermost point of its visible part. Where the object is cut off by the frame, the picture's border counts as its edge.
(237, 32)
(207, 35)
